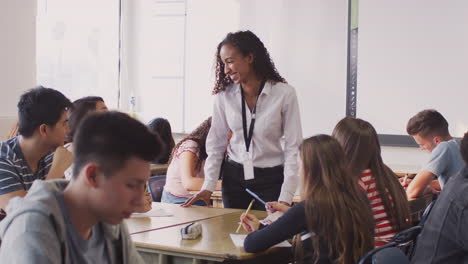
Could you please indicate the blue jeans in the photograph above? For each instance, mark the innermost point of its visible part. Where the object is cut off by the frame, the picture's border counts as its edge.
(169, 198)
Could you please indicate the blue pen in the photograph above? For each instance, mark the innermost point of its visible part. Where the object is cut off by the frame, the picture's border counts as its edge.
(254, 195)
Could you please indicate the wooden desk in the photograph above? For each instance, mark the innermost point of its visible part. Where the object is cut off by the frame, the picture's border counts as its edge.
(158, 169)
(214, 245)
(179, 216)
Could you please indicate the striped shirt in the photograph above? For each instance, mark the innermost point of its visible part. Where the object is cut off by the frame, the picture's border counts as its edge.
(15, 173)
(384, 231)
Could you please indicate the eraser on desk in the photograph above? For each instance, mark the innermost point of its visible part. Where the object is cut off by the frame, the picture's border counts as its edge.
(191, 231)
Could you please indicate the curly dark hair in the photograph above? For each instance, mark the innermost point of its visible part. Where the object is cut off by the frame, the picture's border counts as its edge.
(198, 135)
(247, 43)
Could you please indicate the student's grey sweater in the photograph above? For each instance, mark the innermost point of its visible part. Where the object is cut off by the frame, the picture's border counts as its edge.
(34, 230)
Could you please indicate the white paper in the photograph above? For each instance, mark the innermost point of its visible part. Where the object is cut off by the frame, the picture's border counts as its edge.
(155, 212)
(238, 240)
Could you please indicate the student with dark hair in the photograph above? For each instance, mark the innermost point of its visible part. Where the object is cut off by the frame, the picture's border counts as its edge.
(82, 107)
(254, 102)
(76, 113)
(79, 110)
(185, 171)
(333, 218)
(430, 131)
(162, 127)
(81, 221)
(385, 193)
(43, 126)
(444, 238)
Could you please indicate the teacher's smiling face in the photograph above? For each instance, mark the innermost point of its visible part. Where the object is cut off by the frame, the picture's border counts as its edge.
(237, 66)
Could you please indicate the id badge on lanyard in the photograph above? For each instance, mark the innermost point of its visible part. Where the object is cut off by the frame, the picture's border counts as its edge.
(248, 167)
(248, 157)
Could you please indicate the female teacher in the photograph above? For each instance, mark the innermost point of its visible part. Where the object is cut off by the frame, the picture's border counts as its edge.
(254, 102)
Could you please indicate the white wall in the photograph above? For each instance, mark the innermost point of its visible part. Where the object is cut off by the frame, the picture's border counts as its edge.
(307, 41)
(78, 48)
(412, 56)
(17, 56)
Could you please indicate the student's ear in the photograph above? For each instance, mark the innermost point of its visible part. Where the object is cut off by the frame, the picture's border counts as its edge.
(437, 140)
(43, 130)
(91, 175)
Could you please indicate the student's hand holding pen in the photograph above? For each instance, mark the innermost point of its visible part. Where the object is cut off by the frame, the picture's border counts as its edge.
(250, 222)
(405, 181)
(277, 206)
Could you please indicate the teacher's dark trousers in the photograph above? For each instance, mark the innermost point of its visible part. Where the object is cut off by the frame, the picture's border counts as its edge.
(267, 184)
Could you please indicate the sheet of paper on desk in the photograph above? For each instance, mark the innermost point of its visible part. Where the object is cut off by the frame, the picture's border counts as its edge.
(238, 240)
(155, 212)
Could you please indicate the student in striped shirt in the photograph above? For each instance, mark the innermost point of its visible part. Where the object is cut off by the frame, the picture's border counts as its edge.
(361, 145)
(43, 125)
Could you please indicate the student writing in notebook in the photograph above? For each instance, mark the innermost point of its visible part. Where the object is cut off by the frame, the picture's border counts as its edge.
(185, 172)
(333, 210)
(385, 193)
(430, 131)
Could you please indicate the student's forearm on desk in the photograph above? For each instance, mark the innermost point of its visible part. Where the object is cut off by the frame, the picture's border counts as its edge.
(418, 184)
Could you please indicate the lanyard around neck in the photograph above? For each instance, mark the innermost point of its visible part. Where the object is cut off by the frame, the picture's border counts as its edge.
(248, 137)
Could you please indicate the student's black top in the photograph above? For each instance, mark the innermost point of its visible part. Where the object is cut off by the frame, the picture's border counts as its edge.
(291, 223)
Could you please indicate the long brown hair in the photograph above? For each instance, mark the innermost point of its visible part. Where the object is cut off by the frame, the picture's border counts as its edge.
(198, 135)
(337, 211)
(362, 148)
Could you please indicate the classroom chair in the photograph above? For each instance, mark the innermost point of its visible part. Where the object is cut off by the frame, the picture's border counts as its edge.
(156, 186)
(387, 254)
(404, 242)
(390, 255)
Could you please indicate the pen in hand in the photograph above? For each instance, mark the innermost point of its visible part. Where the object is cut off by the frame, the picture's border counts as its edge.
(246, 212)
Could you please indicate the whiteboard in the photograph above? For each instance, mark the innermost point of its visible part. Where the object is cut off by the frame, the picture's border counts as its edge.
(412, 55)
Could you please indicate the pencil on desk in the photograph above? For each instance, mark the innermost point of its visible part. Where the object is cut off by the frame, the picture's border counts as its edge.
(246, 212)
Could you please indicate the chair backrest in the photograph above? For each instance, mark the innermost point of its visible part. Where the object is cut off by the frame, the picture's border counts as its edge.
(407, 235)
(368, 256)
(390, 255)
(427, 211)
(156, 186)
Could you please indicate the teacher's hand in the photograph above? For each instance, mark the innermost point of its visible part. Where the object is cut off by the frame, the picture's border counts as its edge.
(203, 195)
